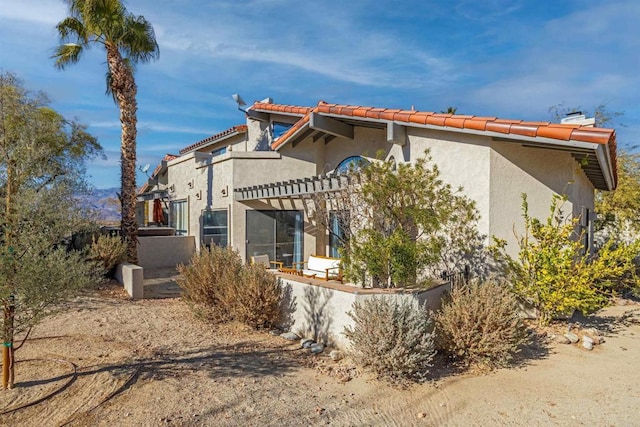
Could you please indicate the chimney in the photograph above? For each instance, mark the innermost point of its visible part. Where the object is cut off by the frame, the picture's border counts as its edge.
(577, 118)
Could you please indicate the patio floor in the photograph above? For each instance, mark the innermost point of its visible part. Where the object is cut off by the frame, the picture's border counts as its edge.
(161, 283)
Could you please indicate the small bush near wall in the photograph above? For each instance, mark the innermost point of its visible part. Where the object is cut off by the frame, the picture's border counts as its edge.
(256, 299)
(220, 288)
(479, 324)
(392, 338)
(107, 252)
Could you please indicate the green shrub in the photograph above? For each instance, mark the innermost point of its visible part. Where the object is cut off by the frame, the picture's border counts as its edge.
(479, 324)
(107, 252)
(220, 288)
(393, 339)
(554, 271)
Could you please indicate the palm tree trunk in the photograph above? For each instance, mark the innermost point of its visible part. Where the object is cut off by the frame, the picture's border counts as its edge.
(124, 89)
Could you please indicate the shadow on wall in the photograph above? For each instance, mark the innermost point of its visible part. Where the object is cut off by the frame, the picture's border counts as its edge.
(317, 316)
(287, 307)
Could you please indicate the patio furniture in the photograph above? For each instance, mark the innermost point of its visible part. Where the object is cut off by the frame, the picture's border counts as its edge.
(321, 267)
(264, 261)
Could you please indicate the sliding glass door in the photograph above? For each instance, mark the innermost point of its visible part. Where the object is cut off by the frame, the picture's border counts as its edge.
(278, 234)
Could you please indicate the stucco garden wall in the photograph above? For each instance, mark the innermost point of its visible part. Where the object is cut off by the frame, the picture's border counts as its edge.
(165, 251)
(321, 311)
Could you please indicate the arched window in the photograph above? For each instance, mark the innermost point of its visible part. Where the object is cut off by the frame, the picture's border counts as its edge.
(351, 163)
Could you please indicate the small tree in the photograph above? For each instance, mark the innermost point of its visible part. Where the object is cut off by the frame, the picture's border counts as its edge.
(619, 210)
(41, 177)
(555, 274)
(399, 222)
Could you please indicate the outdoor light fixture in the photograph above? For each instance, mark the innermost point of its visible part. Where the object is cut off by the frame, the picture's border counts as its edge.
(238, 99)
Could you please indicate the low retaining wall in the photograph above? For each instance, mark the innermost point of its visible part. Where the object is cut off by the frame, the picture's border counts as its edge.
(132, 277)
(165, 251)
(319, 311)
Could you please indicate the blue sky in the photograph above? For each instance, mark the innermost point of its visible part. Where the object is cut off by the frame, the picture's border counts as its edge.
(505, 58)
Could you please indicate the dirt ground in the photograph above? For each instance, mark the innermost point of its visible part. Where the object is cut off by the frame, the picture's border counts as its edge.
(151, 363)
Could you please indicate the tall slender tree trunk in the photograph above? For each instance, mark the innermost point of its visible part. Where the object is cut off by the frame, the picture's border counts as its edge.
(9, 309)
(124, 88)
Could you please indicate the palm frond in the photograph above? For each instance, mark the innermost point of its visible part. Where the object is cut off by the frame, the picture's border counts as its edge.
(138, 41)
(72, 29)
(66, 54)
(103, 19)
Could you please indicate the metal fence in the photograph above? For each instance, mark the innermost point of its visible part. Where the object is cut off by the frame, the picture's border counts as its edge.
(456, 278)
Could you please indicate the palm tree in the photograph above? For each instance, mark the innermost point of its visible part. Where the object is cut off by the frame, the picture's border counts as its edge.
(127, 40)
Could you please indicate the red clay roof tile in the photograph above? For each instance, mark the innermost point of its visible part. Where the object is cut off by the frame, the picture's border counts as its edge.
(499, 127)
(436, 120)
(419, 117)
(588, 136)
(230, 131)
(455, 122)
(554, 132)
(524, 129)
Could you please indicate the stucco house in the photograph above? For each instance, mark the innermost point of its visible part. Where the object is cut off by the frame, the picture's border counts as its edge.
(246, 187)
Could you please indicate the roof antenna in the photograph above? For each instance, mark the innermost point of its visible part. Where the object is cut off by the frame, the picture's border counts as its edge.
(144, 169)
(238, 99)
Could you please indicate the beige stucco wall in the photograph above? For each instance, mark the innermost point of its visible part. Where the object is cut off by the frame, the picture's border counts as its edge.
(538, 173)
(463, 161)
(165, 251)
(321, 312)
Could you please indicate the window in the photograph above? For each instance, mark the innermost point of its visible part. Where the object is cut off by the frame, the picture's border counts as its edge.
(337, 232)
(278, 234)
(586, 228)
(351, 163)
(178, 217)
(278, 129)
(214, 227)
(219, 151)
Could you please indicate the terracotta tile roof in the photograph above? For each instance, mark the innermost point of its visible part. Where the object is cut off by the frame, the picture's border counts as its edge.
(279, 108)
(221, 135)
(565, 132)
(478, 124)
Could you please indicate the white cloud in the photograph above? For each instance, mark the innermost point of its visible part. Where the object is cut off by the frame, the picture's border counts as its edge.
(337, 45)
(577, 59)
(153, 126)
(47, 12)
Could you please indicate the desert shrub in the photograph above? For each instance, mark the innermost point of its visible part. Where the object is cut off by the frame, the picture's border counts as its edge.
(107, 252)
(207, 279)
(554, 271)
(479, 324)
(393, 339)
(220, 288)
(256, 299)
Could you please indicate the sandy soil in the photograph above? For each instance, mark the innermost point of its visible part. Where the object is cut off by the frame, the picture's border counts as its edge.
(150, 363)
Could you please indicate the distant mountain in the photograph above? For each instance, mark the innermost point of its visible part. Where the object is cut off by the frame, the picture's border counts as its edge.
(105, 202)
